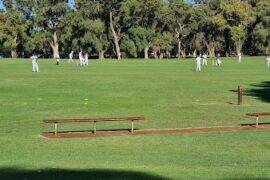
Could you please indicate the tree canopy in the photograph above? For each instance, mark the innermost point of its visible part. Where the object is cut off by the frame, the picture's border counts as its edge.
(135, 28)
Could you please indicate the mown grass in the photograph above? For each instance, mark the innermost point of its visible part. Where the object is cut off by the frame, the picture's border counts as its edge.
(168, 93)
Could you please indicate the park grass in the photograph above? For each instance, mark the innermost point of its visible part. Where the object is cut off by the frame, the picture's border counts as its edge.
(168, 93)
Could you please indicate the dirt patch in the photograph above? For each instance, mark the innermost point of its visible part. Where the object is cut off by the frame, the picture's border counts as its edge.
(155, 131)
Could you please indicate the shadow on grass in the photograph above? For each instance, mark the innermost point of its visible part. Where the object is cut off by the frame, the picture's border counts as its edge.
(64, 174)
(254, 124)
(260, 91)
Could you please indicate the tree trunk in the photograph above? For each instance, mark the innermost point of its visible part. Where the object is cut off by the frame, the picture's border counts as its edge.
(183, 52)
(212, 52)
(14, 53)
(146, 52)
(161, 54)
(195, 53)
(101, 54)
(179, 49)
(55, 46)
(155, 55)
(238, 46)
(13, 50)
(116, 38)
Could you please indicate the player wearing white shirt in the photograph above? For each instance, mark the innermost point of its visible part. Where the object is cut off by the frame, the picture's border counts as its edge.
(70, 57)
(81, 58)
(204, 59)
(34, 63)
(86, 59)
(198, 63)
(239, 57)
(218, 62)
(268, 61)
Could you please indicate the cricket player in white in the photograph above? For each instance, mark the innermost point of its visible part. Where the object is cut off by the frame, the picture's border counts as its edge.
(70, 57)
(81, 58)
(218, 62)
(204, 59)
(86, 59)
(34, 63)
(239, 57)
(268, 61)
(198, 63)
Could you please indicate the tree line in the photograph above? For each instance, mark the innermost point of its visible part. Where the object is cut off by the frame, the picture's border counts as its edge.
(135, 28)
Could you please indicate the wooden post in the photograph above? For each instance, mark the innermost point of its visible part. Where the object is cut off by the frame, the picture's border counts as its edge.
(95, 127)
(55, 129)
(240, 93)
(132, 125)
(257, 121)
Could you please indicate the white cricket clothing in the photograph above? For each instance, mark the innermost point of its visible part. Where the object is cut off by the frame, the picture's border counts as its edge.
(218, 62)
(70, 57)
(86, 59)
(198, 63)
(239, 57)
(204, 59)
(34, 63)
(268, 61)
(81, 59)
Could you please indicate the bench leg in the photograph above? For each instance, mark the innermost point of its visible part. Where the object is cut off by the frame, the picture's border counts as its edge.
(95, 128)
(55, 129)
(257, 121)
(132, 127)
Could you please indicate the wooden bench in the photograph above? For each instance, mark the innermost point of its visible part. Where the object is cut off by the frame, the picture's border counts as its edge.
(94, 120)
(257, 115)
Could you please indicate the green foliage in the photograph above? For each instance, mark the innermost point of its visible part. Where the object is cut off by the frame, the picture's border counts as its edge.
(141, 36)
(13, 29)
(260, 35)
(207, 25)
(127, 45)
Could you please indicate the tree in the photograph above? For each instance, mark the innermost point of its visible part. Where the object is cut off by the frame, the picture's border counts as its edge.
(12, 28)
(85, 28)
(260, 31)
(49, 18)
(233, 16)
(183, 18)
(211, 34)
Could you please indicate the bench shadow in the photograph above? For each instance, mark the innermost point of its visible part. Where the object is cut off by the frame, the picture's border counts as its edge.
(64, 174)
(254, 124)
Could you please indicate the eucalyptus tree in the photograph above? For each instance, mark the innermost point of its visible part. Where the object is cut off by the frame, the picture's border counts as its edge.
(260, 34)
(212, 34)
(13, 28)
(150, 22)
(182, 23)
(233, 17)
(113, 19)
(49, 18)
(85, 28)
(129, 14)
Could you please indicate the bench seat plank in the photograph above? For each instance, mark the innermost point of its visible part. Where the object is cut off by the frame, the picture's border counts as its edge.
(93, 120)
(259, 114)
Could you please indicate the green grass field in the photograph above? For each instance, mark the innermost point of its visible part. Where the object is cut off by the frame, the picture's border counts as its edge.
(168, 93)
